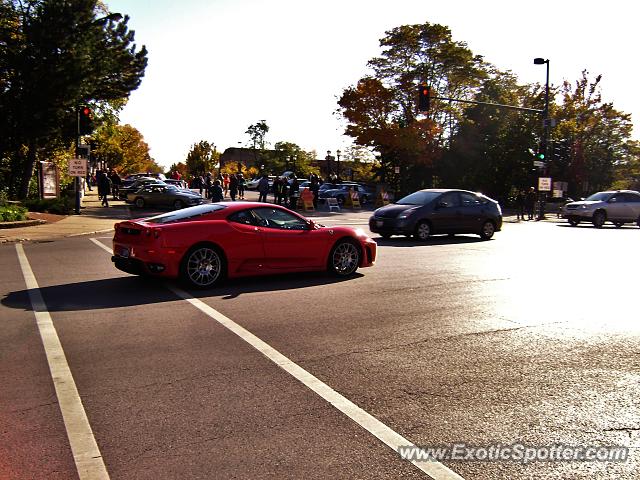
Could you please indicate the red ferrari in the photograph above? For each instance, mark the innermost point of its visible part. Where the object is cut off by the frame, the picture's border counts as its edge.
(202, 245)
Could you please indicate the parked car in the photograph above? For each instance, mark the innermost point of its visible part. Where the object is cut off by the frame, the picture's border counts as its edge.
(432, 211)
(556, 205)
(135, 184)
(618, 207)
(204, 244)
(252, 184)
(177, 183)
(341, 191)
(163, 195)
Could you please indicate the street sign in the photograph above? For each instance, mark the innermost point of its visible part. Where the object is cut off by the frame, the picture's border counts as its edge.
(538, 163)
(396, 169)
(544, 184)
(78, 167)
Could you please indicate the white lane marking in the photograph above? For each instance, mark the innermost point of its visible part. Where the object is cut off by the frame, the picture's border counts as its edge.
(394, 440)
(86, 453)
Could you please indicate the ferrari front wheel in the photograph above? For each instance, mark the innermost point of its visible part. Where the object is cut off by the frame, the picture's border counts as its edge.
(344, 258)
(203, 266)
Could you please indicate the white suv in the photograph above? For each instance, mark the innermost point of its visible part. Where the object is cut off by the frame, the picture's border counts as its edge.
(618, 207)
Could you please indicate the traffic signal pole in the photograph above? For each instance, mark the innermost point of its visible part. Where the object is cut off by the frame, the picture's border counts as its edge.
(77, 179)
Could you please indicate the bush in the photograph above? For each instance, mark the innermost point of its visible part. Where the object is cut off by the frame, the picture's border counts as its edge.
(60, 206)
(12, 213)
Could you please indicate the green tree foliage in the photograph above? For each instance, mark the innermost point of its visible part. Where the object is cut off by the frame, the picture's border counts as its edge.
(202, 158)
(54, 56)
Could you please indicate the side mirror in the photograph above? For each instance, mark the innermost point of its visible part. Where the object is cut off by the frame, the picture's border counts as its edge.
(443, 204)
(613, 200)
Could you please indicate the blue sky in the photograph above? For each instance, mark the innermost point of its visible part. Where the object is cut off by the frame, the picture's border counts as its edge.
(218, 66)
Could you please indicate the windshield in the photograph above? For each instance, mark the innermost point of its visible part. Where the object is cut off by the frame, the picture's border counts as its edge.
(599, 197)
(185, 214)
(419, 198)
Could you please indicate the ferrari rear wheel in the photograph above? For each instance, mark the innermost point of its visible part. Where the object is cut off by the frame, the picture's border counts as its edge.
(203, 266)
(344, 258)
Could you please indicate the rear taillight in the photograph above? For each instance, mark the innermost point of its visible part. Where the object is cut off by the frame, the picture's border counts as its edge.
(155, 232)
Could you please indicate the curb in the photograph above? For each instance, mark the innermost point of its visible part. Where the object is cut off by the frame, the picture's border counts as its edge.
(22, 223)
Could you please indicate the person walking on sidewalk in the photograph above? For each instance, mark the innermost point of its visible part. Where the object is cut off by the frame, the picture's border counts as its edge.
(530, 203)
(104, 188)
(263, 188)
(520, 200)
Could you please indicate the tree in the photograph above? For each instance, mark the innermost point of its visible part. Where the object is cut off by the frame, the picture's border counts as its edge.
(202, 158)
(257, 134)
(122, 147)
(54, 56)
(381, 109)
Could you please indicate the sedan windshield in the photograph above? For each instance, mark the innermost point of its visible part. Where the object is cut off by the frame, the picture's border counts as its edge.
(419, 198)
(599, 197)
(185, 214)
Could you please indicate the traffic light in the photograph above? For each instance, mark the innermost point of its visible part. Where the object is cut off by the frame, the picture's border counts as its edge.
(424, 97)
(541, 152)
(85, 120)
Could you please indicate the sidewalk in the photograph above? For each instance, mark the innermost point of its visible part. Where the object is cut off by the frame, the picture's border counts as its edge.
(93, 218)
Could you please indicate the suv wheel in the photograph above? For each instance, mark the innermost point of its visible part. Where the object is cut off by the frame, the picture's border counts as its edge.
(599, 218)
(618, 224)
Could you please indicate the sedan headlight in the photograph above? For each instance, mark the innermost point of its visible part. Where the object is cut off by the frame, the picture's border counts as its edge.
(406, 214)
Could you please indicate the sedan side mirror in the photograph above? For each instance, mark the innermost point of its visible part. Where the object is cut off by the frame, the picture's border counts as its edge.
(443, 204)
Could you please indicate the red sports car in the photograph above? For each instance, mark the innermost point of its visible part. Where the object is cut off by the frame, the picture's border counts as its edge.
(204, 244)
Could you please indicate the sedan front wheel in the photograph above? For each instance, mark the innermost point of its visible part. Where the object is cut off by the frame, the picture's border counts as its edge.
(423, 231)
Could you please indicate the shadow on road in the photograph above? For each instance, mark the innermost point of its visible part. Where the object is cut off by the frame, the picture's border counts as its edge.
(432, 241)
(131, 291)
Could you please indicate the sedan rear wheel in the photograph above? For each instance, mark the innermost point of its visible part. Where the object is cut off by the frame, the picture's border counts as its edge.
(344, 258)
(423, 231)
(203, 266)
(178, 204)
(140, 202)
(488, 229)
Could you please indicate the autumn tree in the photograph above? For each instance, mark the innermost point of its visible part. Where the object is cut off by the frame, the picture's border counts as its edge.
(122, 147)
(202, 158)
(381, 109)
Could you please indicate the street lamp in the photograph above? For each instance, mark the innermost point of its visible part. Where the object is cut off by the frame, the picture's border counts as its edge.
(546, 122)
(338, 152)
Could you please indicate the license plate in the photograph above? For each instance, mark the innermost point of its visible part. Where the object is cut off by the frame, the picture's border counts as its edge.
(124, 252)
(379, 223)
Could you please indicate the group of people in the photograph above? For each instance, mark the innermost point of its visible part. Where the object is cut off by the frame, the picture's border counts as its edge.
(526, 204)
(232, 185)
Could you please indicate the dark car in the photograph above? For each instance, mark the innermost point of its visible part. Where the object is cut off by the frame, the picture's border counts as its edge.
(340, 192)
(162, 195)
(434, 211)
(135, 184)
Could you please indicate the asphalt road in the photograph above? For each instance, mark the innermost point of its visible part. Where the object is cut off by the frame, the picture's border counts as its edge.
(533, 337)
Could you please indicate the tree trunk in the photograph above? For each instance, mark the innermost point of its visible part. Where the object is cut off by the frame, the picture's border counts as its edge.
(27, 173)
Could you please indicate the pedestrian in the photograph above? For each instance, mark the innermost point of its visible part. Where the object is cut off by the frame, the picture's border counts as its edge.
(241, 185)
(315, 189)
(104, 188)
(263, 188)
(225, 183)
(116, 181)
(216, 192)
(530, 202)
(89, 181)
(233, 187)
(294, 192)
(207, 184)
(520, 200)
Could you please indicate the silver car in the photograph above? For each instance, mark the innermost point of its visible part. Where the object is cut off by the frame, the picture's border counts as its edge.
(618, 207)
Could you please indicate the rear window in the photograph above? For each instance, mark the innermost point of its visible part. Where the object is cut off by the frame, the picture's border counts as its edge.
(185, 214)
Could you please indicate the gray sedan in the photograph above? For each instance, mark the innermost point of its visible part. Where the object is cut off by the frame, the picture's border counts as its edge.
(164, 195)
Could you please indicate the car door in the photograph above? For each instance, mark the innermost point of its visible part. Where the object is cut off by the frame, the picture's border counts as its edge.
(618, 208)
(446, 213)
(633, 202)
(471, 213)
(245, 253)
(290, 244)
